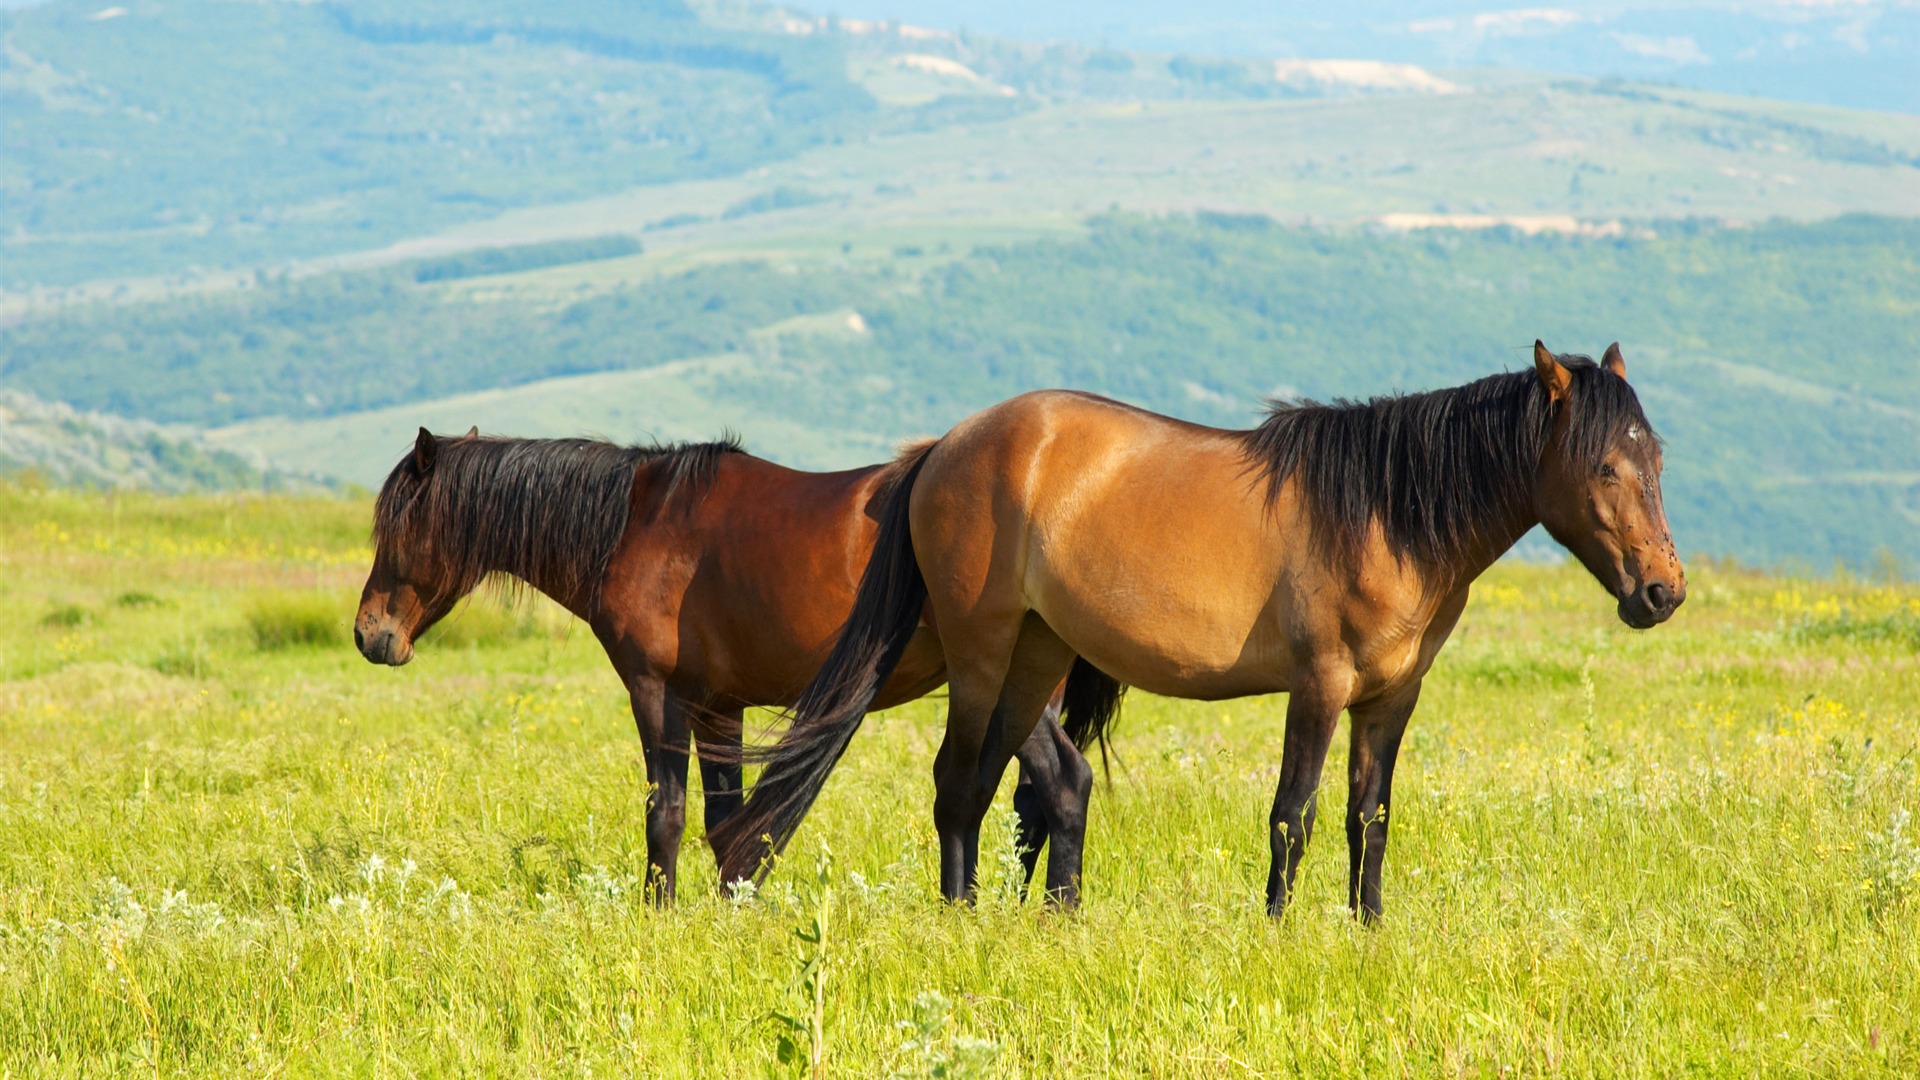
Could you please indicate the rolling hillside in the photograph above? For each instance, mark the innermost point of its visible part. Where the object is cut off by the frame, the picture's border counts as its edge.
(154, 138)
(1859, 53)
(651, 220)
(171, 142)
(160, 140)
(1777, 360)
(1509, 146)
(52, 443)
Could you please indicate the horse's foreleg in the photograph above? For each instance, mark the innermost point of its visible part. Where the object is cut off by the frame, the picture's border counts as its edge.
(720, 779)
(1313, 711)
(1377, 728)
(663, 737)
(1057, 784)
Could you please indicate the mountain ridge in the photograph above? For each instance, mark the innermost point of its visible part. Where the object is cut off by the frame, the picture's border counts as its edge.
(52, 442)
(568, 220)
(210, 136)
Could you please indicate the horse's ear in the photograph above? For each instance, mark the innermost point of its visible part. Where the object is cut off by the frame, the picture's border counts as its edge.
(1613, 361)
(474, 431)
(1553, 374)
(425, 447)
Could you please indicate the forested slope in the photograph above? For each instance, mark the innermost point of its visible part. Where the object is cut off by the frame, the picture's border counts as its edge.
(1778, 360)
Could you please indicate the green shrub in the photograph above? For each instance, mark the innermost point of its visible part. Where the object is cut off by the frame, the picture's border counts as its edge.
(287, 620)
(1898, 628)
(66, 617)
(780, 198)
(137, 599)
(483, 262)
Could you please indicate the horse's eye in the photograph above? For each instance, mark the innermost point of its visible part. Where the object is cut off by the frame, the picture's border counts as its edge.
(1607, 473)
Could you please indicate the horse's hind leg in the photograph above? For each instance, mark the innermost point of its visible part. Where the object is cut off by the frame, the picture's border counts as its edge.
(1029, 805)
(720, 780)
(1377, 728)
(992, 709)
(1059, 784)
(1028, 808)
(661, 719)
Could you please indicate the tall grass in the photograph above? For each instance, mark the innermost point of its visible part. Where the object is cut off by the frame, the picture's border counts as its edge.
(1691, 851)
(283, 620)
(1899, 628)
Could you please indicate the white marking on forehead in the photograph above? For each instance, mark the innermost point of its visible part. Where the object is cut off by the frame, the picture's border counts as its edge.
(1633, 432)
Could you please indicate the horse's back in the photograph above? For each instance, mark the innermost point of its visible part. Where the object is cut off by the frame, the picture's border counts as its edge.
(730, 587)
(734, 590)
(1144, 541)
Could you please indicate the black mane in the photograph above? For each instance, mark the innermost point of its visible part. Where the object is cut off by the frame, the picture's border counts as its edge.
(1438, 470)
(546, 510)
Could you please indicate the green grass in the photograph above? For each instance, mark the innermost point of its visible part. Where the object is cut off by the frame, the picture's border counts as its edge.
(286, 620)
(1614, 853)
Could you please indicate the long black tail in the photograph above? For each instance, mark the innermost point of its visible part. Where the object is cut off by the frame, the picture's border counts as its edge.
(1091, 703)
(886, 611)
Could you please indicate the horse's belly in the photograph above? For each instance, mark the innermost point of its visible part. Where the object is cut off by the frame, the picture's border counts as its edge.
(1166, 632)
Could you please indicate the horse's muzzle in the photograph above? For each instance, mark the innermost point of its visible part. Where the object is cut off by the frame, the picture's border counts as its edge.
(1652, 604)
(383, 647)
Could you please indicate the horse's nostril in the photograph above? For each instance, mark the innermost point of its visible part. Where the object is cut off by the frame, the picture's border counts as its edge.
(1659, 596)
(359, 640)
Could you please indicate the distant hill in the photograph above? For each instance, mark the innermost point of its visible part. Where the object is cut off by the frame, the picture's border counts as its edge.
(56, 443)
(1777, 360)
(312, 226)
(168, 141)
(159, 137)
(1860, 53)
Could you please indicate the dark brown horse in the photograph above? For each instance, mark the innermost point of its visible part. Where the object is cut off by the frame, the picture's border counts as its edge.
(714, 579)
(1326, 553)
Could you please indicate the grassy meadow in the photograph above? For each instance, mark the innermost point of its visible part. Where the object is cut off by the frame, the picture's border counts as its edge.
(228, 846)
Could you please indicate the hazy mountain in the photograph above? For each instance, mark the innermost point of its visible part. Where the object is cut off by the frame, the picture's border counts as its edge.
(1772, 358)
(155, 140)
(63, 445)
(160, 137)
(312, 227)
(1858, 53)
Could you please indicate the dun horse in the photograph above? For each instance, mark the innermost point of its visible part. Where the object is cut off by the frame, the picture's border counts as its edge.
(1326, 553)
(715, 580)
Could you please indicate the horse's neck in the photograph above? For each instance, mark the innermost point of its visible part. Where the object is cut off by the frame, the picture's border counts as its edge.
(1507, 525)
(555, 584)
(581, 607)
(1496, 541)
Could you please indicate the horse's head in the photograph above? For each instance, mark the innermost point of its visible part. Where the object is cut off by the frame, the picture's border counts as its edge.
(1598, 489)
(412, 584)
